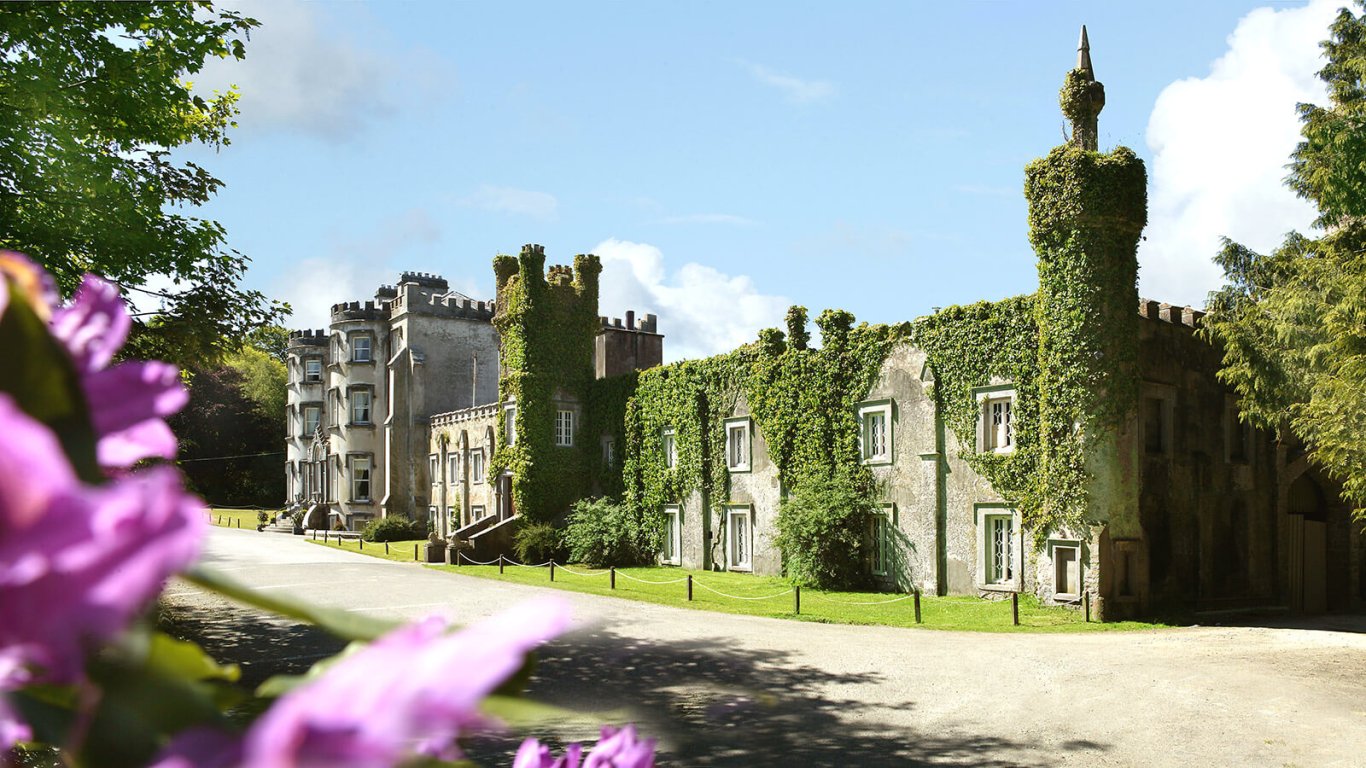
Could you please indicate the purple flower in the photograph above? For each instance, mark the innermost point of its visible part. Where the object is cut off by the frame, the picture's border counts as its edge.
(618, 748)
(77, 562)
(128, 401)
(413, 691)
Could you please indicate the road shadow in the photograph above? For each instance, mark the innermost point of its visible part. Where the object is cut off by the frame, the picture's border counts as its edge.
(714, 705)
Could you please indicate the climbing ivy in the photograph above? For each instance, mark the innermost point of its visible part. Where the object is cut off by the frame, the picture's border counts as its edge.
(546, 324)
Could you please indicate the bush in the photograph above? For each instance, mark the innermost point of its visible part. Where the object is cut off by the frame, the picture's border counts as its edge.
(823, 533)
(262, 517)
(394, 529)
(538, 542)
(604, 533)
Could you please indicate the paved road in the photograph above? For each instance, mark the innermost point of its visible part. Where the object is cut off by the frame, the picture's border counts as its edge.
(722, 690)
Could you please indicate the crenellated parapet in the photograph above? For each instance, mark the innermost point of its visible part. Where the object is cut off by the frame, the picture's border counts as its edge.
(463, 415)
(1168, 313)
(299, 341)
(355, 310)
(649, 323)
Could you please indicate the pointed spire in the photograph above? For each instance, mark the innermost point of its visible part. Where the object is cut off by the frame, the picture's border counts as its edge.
(1084, 54)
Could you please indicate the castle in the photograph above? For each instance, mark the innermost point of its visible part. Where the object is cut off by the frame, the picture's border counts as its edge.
(1074, 443)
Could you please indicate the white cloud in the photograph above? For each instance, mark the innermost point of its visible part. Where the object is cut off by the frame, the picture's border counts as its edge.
(301, 75)
(523, 202)
(354, 267)
(797, 90)
(1220, 145)
(702, 311)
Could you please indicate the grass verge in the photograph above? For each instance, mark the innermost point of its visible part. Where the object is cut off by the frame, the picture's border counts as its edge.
(773, 597)
(236, 518)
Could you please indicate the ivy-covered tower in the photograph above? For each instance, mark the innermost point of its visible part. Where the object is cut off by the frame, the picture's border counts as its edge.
(1086, 211)
(547, 321)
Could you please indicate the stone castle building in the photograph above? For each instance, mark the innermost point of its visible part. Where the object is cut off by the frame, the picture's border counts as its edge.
(483, 415)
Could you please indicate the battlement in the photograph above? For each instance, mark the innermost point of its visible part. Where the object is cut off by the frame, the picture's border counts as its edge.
(424, 279)
(355, 310)
(649, 323)
(1168, 313)
(465, 414)
(385, 293)
(452, 304)
(307, 338)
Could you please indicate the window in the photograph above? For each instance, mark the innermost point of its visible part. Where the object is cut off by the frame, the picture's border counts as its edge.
(360, 349)
(1237, 436)
(669, 447)
(312, 417)
(1152, 425)
(452, 521)
(673, 535)
(360, 478)
(1000, 549)
(737, 445)
(1067, 571)
(564, 428)
(996, 421)
(360, 406)
(453, 468)
(510, 424)
(875, 433)
(434, 464)
(477, 466)
(477, 512)
(739, 539)
(609, 452)
(880, 527)
(313, 370)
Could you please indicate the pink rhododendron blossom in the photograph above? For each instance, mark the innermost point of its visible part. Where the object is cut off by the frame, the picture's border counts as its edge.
(78, 562)
(129, 401)
(413, 691)
(618, 748)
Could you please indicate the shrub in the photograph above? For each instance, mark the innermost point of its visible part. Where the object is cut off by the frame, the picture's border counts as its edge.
(604, 533)
(823, 533)
(394, 529)
(538, 542)
(262, 517)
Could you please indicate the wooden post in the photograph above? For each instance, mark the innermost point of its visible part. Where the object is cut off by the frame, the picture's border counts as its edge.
(500, 565)
(917, 606)
(690, 587)
(386, 547)
(315, 535)
(1086, 603)
(360, 544)
(613, 576)
(239, 522)
(414, 552)
(552, 570)
(1015, 607)
(797, 599)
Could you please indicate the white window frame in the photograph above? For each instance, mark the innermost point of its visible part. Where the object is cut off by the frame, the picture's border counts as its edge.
(317, 411)
(871, 449)
(434, 467)
(882, 523)
(989, 517)
(313, 377)
(609, 451)
(362, 472)
(739, 426)
(369, 406)
(1074, 545)
(453, 468)
(477, 513)
(673, 535)
(564, 428)
(991, 435)
(510, 424)
(452, 518)
(740, 543)
(357, 346)
(668, 445)
(477, 465)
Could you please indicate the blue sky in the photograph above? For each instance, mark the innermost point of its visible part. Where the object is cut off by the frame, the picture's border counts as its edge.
(729, 159)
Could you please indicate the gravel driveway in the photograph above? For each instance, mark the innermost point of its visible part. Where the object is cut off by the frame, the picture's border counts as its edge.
(723, 690)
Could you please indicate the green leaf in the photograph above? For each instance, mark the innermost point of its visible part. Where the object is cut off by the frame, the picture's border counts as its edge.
(43, 381)
(181, 658)
(343, 624)
(523, 713)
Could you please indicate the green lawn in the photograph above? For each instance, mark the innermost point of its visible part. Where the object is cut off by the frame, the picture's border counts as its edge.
(772, 596)
(398, 551)
(236, 518)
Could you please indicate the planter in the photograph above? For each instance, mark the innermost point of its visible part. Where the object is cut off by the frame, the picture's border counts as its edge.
(260, 527)
(436, 553)
(298, 530)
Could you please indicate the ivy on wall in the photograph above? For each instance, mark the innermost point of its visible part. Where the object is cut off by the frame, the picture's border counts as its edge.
(546, 325)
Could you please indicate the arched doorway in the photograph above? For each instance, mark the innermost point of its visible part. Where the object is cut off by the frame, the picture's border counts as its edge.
(1308, 546)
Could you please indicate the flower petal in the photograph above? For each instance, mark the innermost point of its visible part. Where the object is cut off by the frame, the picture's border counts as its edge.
(95, 326)
(130, 393)
(151, 439)
(33, 468)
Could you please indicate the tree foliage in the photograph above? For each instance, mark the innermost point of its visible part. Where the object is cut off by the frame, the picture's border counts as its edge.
(1292, 324)
(96, 100)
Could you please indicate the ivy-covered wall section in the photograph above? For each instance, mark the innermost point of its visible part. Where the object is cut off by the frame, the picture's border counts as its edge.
(546, 323)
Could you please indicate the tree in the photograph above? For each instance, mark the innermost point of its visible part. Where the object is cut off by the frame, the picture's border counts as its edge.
(229, 450)
(95, 100)
(1292, 324)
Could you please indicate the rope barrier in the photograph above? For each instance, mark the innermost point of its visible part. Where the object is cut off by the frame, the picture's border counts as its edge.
(567, 569)
(825, 599)
(510, 561)
(647, 581)
(737, 597)
(472, 561)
